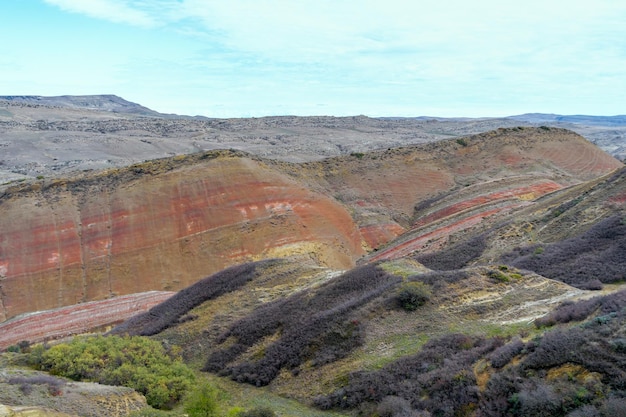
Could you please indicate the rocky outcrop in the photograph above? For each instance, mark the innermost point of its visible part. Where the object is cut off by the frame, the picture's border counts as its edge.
(37, 394)
(77, 319)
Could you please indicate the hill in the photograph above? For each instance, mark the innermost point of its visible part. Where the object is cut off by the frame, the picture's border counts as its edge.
(104, 102)
(463, 336)
(56, 136)
(167, 223)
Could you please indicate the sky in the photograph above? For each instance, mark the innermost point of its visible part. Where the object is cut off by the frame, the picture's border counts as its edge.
(253, 58)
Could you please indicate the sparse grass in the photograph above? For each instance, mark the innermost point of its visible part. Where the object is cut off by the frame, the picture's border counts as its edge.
(390, 349)
(244, 395)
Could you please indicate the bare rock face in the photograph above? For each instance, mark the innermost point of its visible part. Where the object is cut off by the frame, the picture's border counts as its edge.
(6, 411)
(37, 394)
(143, 228)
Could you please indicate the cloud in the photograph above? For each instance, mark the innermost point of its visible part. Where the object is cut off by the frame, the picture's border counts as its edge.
(454, 53)
(118, 11)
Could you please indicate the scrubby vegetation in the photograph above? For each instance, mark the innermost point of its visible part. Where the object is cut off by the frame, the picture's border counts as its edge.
(438, 280)
(580, 310)
(54, 385)
(202, 402)
(315, 325)
(174, 310)
(439, 379)
(566, 372)
(586, 261)
(455, 257)
(135, 362)
(412, 295)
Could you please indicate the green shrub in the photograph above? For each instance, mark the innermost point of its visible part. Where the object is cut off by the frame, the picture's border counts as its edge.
(136, 362)
(202, 402)
(461, 142)
(258, 412)
(498, 276)
(412, 295)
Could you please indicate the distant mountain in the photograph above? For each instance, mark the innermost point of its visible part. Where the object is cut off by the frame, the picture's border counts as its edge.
(101, 102)
(578, 119)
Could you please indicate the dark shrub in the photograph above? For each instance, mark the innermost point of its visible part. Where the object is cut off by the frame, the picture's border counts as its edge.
(581, 310)
(540, 401)
(439, 379)
(613, 407)
(503, 355)
(595, 256)
(438, 280)
(455, 257)
(55, 385)
(174, 310)
(315, 324)
(258, 412)
(412, 295)
(585, 411)
(394, 407)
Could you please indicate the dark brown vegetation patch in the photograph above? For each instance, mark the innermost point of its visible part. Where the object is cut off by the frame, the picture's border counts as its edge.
(456, 257)
(175, 309)
(566, 372)
(320, 325)
(586, 261)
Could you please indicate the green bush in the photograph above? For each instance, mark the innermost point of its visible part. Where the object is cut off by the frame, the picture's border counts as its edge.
(412, 295)
(498, 276)
(258, 412)
(136, 362)
(202, 402)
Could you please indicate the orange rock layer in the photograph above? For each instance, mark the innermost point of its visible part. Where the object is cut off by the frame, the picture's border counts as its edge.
(62, 246)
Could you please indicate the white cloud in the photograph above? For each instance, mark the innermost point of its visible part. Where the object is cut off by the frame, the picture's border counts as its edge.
(374, 52)
(118, 11)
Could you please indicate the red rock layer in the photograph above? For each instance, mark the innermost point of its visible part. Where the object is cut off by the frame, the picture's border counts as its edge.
(528, 192)
(65, 245)
(404, 248)
(378, 234)
(81, 318)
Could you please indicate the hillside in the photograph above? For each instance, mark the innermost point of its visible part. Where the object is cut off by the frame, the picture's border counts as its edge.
(164, 224)
(397, 337)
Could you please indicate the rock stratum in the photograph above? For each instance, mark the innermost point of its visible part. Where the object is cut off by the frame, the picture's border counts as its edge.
(164, 224)
(160, 225)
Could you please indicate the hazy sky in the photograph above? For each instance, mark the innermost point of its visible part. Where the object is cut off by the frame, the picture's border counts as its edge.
(236, 58)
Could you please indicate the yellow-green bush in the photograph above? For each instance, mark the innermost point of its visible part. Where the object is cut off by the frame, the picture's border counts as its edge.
(136, 362)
